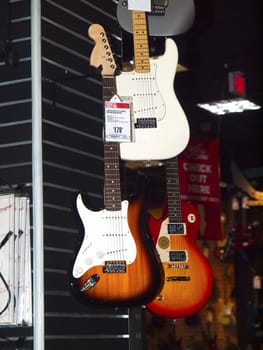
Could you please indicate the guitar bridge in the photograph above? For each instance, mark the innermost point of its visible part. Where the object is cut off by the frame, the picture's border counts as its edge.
(178, 266)
(145, 123)
(118, 266)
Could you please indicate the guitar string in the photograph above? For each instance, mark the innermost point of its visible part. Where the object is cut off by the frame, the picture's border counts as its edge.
(109, 182)
(117, 233)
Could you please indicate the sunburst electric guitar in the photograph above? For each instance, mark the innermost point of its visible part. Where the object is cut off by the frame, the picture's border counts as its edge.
(188, 277)
(160, 129)
(116, 263)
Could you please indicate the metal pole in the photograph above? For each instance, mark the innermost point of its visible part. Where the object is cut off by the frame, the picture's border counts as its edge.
(37, 179)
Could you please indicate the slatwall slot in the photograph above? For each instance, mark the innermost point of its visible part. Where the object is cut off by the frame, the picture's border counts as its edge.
(58, 259)
(10, 74)
(94, 11)
(60, 216)
(19, 9)
(61, 114)
(102, 343)
(71, 240)
(11, 155)
(105, 325)
(107, 9)
(59, 304)
(15, 134)
(21, 28)
(17, 173)
(61, 194)
(73, 139)
(10, 116)
(16, 91)
(81, 102)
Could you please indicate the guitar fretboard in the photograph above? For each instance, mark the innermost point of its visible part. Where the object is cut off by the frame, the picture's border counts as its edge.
(140, 41)
(173, 191)
(109, 88)
(112, 188)
(112, 192)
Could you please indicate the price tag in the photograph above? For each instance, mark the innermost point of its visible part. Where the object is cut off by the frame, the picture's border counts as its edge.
(117, 121)
(139, 5)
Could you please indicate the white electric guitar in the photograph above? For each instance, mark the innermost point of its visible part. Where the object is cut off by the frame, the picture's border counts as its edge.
(160, 129)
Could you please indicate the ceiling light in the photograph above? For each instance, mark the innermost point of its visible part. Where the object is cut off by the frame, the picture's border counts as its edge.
(234, 105)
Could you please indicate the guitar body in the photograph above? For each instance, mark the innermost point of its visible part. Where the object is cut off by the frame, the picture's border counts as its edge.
(160, 127)
(168, 18)
(113, 265)
(187, 283)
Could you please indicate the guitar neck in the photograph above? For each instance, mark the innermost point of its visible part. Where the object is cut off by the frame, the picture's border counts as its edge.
(109, 88)
(112, 188)
(173, 191)
(140, 42)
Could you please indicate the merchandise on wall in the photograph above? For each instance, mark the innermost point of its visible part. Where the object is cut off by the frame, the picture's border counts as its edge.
(15, 261)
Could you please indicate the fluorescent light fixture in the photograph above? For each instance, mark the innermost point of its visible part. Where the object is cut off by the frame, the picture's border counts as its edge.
(234, 105)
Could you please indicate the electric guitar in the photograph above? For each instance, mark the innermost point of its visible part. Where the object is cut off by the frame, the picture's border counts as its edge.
(226, 316)
(115, 264)
(160, 129)
(167, 17)
(188, 276)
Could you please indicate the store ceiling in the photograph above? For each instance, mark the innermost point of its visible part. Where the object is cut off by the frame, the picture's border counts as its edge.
(225, 36)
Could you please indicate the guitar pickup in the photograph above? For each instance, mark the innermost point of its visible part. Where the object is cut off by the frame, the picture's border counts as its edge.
(145, 123)
(176, 229)
(118, 266)
(178, 255)
(178, 279)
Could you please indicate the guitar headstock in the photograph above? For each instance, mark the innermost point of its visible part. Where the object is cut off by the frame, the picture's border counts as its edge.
(101, 54)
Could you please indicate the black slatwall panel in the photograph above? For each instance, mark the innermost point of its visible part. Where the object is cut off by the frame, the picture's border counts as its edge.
(15, 100)
(72, 161)
(16, 124)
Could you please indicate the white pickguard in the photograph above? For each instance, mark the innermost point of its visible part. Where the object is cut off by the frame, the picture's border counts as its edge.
(106, 237)
(165, 249)
(153, 96)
